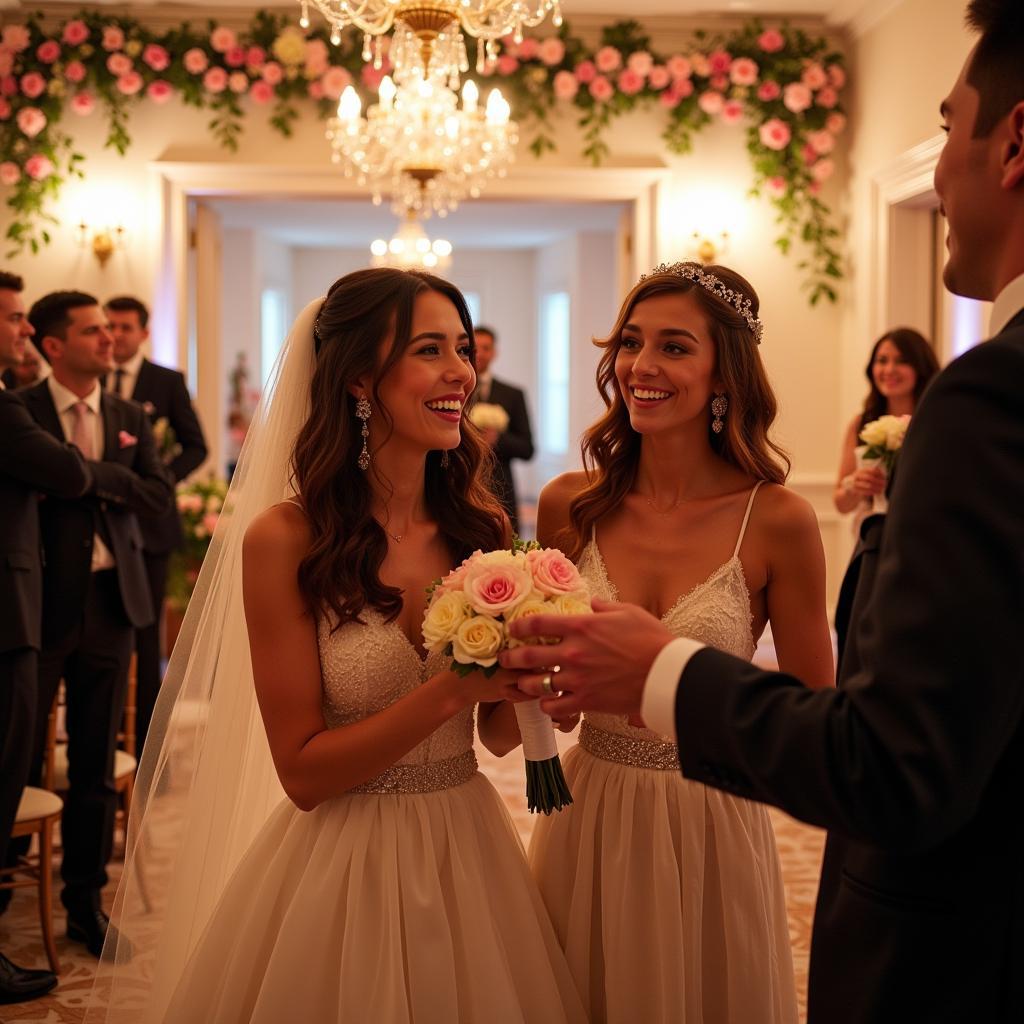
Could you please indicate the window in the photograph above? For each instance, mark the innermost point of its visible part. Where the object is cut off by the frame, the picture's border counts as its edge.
(273, 327)
(554, 373)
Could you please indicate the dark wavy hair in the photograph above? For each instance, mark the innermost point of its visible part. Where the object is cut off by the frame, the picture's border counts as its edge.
(997, 66)
(611, 448)
(340, 574)
(915, 349)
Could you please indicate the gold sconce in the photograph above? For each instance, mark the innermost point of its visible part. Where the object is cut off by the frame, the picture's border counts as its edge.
(708, 248)
(103, 242)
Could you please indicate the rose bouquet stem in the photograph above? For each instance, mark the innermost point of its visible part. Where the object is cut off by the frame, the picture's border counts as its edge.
(546, 788)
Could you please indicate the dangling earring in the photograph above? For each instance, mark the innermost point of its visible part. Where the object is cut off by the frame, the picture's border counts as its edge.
(445, 460)
(363, 412)
(719, 406)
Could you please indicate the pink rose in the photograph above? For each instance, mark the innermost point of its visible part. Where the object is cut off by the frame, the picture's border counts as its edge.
(679, 67)
(160, 91)
(75, 33)
(821, 142)
(814, 76)
(701, 65)
(835, 123)
(130, 83)
(234, 56)
(565, 85)
(720, 61)
(48, 51)
(113, 38)
(317, 58)
(156, 57)
(775, 134)
(732, 112)
(669, 99)
(808, 154)
(719, 82)
(797, 97)
(31, 121)
(74, 71)
(492, 588)
(195, 61)
(316, 90)
(456, 579)
(32, 85)
(601, 89)
(38, 167)
(8, 86)
(119, 64)
(238, 82)
(553, 573)
(215, 80)
(768, 91)
(272, 72)
(711, 102)
(222, 39)
(5, 109)
(630, 82)
(659, 77)
(335, 81)
(552, 51)
(528, 49)
(586, 72)
(640, 63)
(608, 59)
(836, 76)
(682, 88)
(261, 92)
(83, 103)
(776, 187)
(823, 169)
(255, 57)
(15, 37)
(744, 71)
(771, 40)
(507, 65)
(10, 173)
(828, 97)
(371, 77)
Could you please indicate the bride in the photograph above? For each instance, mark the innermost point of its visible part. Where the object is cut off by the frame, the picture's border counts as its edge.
(389, 885)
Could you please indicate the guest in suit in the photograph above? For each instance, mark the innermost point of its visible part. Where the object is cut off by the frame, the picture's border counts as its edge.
(95, 591)
(31, 370)
(30, 461)
(916, 762)
(516, 441)
(164, 395)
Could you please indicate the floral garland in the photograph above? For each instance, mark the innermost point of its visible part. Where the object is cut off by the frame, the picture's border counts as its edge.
(780, 83)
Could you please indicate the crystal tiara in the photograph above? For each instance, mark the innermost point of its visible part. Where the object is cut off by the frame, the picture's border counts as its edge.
(717, 287)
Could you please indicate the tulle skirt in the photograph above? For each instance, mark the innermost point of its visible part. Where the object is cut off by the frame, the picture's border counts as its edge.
(667, 898)
(385, 908)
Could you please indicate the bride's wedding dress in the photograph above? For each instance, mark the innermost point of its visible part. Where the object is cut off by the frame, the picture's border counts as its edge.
(407, 899)
(667, 895)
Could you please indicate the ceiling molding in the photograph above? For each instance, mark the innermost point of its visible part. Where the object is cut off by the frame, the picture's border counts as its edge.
(860, 16)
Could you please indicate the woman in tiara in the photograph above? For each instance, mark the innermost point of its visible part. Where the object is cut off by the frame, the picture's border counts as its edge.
(666, 895)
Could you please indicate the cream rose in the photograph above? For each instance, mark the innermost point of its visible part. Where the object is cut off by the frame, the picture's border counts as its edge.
(873, 434)
(478, 641)
(533, 605)
(448, 610)
(577, 603)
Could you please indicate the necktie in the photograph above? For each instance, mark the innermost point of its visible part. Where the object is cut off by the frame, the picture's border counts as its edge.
(81, 435)
(119, 383)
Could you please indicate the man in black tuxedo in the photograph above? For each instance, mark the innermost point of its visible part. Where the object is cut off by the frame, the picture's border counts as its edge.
(915, 763)
(164, 395)
(516, 441)
(95, 591)
(31, 461)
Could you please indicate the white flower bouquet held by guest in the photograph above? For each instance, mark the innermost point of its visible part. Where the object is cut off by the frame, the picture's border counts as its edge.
(467, 619)
(882, 439)
(488, 416)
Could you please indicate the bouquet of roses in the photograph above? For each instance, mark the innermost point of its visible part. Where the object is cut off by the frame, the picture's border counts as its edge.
(488, 416)
(882, 439)
(467, 617)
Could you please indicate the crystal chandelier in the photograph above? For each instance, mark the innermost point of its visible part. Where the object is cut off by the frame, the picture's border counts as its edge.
(410, 248)
(419, 144)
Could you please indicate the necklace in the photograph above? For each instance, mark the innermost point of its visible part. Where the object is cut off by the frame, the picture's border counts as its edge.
(664, 512)
(396, 537)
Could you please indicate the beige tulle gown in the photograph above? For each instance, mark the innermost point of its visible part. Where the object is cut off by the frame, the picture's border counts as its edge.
(407, 900)
(667, 895)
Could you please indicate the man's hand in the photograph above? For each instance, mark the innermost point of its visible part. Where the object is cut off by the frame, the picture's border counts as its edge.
(599, 662)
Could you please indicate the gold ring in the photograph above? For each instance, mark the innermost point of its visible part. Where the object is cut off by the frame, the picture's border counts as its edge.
(546, 687)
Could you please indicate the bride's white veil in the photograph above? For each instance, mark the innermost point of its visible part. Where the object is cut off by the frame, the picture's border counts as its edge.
(206, 782)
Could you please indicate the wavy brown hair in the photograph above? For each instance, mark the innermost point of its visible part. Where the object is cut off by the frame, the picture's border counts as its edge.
(341, 572)
(611, 448)
(916, 352)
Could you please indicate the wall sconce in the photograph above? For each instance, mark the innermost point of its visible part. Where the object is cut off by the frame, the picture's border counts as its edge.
(104, 242)
(708, 248)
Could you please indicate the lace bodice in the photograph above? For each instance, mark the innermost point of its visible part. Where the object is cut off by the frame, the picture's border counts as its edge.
(367, 667)
(716, 612)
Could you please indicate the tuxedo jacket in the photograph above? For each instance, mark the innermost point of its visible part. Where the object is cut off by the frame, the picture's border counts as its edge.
(516, 442)
(129, 479)
(164, 394)
(915, 763)
(30, 461)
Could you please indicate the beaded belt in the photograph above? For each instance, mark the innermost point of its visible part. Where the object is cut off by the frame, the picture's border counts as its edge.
(421, 778)
(637, 753)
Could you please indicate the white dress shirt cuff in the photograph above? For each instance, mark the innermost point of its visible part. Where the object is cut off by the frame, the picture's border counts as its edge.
(658, 704)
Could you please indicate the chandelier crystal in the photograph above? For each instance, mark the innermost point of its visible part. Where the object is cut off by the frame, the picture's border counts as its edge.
(411, 249)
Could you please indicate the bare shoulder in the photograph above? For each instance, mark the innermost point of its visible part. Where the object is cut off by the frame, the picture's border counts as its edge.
(557, 494)
(783, 516)
(853, 429)
(281, 533)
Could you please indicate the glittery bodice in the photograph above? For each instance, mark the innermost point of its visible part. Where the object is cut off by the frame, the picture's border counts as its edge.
(367, 667)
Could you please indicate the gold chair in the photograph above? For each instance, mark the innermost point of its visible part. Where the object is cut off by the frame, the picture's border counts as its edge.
(38, 811)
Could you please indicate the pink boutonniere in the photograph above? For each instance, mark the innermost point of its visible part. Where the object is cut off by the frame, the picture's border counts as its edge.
(126, 440)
